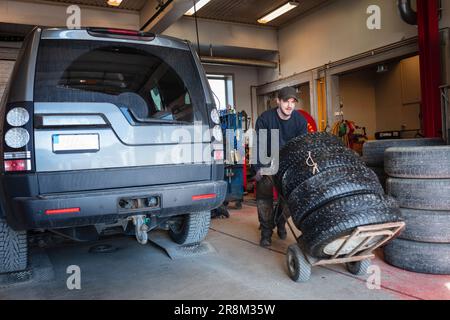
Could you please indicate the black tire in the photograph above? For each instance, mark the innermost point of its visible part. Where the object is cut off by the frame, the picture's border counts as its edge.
(340, 217)
(382, 176)
(426, 226)
(220, 212)
(373, 151)
(297, 147)
(193, 228)
(422, 257)
(299, 268)
(331, 185)
(300, 171)
(418, 162)
(313, 138)
(13, 249)
(358, 268)
(422, 194)
(300, 155)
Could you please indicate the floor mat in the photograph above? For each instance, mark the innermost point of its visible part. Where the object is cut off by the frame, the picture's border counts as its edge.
(175, 251)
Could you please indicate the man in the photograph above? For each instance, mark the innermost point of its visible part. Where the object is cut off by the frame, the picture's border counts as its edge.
(290, 125)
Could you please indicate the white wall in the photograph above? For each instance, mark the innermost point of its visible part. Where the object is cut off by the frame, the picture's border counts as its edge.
(45, 14)
(398, 96)
(244, 77)
(445, 21)
(383, 101)
(305, 98)
(357, 93)
(335, 32)
(6, 68)
(225, 34)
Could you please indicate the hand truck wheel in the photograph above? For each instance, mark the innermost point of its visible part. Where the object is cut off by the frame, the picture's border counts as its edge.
(358, 268)
(298, 267)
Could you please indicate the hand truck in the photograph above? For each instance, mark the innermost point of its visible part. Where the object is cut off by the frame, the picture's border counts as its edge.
(354, 250)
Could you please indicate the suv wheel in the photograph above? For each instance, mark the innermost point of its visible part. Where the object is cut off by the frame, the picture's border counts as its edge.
(191, 228)
(13, 249)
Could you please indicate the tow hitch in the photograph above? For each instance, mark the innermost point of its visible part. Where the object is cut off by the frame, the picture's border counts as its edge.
(141, 228)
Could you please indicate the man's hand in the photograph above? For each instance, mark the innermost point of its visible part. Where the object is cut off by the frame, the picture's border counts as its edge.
(258, 176)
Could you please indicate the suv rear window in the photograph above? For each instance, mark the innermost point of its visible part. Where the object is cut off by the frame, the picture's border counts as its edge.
(151, 82)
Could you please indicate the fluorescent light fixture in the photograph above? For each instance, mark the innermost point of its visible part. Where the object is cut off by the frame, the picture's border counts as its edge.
(197, 7)
(278, 12)
(114, 3)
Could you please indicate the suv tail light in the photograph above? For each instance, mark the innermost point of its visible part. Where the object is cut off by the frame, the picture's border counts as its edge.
(218, 155)
(17, 165)
(16, 144)
(62, 211)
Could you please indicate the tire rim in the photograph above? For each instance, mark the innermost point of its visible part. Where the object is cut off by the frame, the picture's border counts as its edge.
(331, 248)
(291, 264)
(177, 224)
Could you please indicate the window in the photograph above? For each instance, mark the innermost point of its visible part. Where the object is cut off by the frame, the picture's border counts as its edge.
(150, 83)
(223, 90)
(156, 98)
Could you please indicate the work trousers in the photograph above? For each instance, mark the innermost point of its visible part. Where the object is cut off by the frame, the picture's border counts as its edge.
(267, 216)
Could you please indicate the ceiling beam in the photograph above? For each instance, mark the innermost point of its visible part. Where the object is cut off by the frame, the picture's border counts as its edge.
(158, 15)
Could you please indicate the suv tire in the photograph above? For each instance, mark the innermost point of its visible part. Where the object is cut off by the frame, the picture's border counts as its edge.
(13, 249)
(193, 228)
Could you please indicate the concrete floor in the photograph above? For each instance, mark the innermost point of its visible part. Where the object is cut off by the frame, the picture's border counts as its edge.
(240, 269)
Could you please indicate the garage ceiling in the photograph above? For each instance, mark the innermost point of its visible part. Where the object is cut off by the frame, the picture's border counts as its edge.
(136, 5)
(241, 11)
(249, 11)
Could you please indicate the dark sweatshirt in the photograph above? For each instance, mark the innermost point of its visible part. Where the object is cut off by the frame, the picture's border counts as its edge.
(288, 129)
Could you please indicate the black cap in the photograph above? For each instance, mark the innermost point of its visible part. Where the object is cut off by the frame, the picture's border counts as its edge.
(288, 92)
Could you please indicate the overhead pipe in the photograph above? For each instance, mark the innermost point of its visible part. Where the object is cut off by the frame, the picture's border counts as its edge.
(239, 62)
(407, 12)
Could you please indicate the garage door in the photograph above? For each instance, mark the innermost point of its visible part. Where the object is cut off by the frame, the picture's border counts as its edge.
(6, 67)
(8, 55)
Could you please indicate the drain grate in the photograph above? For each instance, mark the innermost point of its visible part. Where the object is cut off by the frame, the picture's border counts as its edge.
(102, 248)
(40, 269)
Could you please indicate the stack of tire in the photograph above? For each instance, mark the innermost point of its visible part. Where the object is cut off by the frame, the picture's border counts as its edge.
(420, 181)
(373, 152)
(329, 203)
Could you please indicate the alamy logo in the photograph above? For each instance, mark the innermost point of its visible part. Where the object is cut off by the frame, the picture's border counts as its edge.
(74, 280)
(374, 280)
(74, 19)
(374, 20)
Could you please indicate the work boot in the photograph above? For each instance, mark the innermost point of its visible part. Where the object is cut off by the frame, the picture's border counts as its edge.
(265, 242)
(266, 237)
(281, 231)
(281, 224)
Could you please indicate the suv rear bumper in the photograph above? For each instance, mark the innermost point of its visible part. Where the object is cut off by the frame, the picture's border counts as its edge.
(103, 206)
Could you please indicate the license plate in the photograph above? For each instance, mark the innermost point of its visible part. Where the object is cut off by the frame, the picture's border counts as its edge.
(76, 142)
